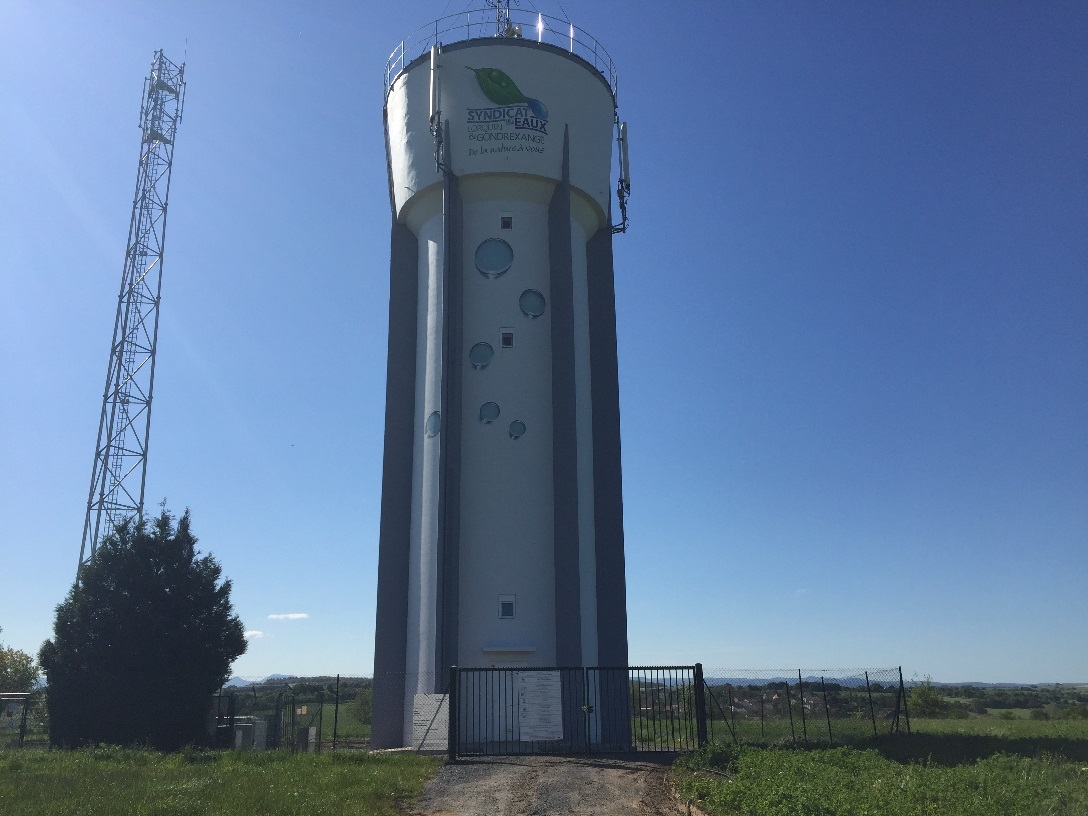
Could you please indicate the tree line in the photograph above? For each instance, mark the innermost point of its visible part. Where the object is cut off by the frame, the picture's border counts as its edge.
(1055, 701)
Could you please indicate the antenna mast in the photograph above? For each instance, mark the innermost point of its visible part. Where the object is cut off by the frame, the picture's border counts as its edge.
(503, 27)
(120, 455)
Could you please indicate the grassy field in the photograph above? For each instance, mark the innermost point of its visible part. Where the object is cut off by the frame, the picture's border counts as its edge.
(1017, 728)
(122, 782)
(854, 782)
(979, 766)
(1006, 763)
(349, 728)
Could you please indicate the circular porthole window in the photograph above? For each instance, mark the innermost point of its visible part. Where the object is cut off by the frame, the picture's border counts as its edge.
(489, 412)
(434, 424)
(480, 354)
(531, 303)
(493, 257)
(517, 429)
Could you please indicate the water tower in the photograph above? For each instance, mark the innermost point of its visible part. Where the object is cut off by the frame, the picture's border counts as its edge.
(501, 524)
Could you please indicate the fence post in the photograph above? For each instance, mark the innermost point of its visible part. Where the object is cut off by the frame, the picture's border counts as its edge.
(336, 711)
(872, 711)
(700, 707)
(733, 714)
(789, 708)
(827, 711)
(732, 711)
(451, 716)
(762, 732)
(320, 719)
(293, 733)
(804, 720)
(903, 690)
(22, 719)
(587, 719)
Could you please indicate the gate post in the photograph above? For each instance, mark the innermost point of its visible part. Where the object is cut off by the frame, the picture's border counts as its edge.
(700, 706)
(452, 716)
(587, 730)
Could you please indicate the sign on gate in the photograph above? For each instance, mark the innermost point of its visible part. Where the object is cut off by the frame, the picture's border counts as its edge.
(540, 706)
(430, 722)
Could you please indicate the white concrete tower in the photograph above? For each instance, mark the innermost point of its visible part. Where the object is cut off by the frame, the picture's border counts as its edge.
(501, 530)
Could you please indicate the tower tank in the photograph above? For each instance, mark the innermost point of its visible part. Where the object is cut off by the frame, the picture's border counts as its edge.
(501, 538)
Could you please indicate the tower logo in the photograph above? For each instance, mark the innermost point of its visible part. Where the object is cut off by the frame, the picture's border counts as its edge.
(515, 117)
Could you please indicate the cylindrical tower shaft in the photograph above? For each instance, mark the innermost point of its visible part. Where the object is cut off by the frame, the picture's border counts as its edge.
(502, 537)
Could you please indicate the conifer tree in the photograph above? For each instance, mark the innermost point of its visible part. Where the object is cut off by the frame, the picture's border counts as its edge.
(142, 641)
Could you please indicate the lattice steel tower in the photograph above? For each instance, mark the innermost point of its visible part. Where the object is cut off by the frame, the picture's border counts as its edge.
(120, 455)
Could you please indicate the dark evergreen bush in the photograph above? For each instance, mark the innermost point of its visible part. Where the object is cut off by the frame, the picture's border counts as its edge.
(141, 642)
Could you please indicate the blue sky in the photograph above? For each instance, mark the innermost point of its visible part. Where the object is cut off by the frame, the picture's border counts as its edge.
(852, 313)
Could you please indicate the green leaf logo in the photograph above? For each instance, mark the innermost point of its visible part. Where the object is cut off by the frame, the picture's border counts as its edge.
(498, 87)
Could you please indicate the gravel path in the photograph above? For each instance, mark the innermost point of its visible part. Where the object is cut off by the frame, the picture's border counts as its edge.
(548, 786)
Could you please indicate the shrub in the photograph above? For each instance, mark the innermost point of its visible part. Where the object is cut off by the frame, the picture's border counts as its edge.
(926, 701)
(144, 638)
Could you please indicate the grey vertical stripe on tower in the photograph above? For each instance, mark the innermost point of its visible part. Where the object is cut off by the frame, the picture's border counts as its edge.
(607, 479)
(615, 723)
(449, 495)
(390, 628)
(568, 619)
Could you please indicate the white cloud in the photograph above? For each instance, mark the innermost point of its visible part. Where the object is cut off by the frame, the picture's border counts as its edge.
(290, 616)
(253, 633)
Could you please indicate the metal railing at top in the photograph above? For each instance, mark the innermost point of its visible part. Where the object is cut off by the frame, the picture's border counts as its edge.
(480, 24)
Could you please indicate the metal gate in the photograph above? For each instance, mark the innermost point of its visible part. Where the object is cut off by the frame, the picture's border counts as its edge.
(575, 710)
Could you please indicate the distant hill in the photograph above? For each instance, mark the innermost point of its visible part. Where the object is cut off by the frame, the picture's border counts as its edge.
(808, 680)
(979, 684)
(241, 682)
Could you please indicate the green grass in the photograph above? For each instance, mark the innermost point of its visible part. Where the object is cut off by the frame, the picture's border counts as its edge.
(1019, 727)
(855, 782)
(122, 782)
(778, 730)
(350, 731)
(348, 725)
(859, 730)
(974, 766)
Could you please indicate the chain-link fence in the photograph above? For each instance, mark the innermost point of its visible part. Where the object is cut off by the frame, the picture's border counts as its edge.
(830, 706)
(24, 721)
(765, 706)
(299, 714)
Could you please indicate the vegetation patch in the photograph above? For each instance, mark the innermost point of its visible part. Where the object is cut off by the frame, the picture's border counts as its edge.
(123, 782)
(142, 641)
(1039, 702)
(852, 781)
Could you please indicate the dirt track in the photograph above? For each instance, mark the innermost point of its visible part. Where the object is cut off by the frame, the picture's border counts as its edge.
(548, 786)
